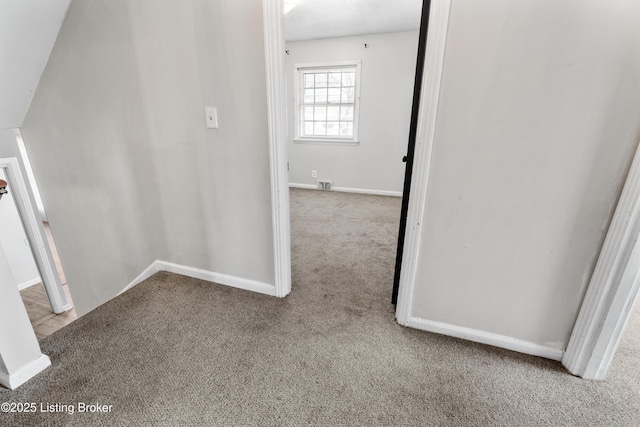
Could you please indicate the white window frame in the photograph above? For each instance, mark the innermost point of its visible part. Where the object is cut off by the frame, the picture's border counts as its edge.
(299, 86)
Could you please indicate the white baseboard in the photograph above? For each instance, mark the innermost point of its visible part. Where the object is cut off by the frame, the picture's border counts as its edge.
(350, 190)
(483, 337)
(305, 186)
(197, 273)
(219, 278)
(29, 283)
(13, 381)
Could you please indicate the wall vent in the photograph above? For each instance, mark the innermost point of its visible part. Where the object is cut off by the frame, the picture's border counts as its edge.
(324, 184)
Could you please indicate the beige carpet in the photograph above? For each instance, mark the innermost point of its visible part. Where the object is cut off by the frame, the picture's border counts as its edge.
(179, 351)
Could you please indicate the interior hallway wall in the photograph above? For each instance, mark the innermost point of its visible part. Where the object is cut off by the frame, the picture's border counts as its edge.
(117, 138)
(537, 124)
(386, 94)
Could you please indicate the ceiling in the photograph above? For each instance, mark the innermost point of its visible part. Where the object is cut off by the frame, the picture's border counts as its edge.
(28, 30)
(320, 19)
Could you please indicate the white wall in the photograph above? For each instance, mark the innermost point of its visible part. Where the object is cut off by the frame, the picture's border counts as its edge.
(117, 138)
(538, 119)
(18, 343)
(28, 29)
(387, 80)
(14, 242)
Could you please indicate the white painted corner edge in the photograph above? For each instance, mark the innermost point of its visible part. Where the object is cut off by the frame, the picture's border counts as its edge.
(350, 190)
(146, 273)
(273, 20)
(488, 338)
(612, 290)
(197, 273)
(13, 381)
(425, 140)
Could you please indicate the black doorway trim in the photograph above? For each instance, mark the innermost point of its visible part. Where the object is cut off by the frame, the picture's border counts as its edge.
(413, 128)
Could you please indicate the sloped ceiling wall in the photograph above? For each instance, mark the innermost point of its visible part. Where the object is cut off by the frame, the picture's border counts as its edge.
(28, 30)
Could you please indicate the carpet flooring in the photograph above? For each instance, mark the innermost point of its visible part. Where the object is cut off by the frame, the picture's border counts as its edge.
(179, 351)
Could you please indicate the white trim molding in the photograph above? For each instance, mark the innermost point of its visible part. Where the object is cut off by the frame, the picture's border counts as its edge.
(29, 283)
(429, 97)
(352, 142)
(613, 288)
(349, 190)
(483, 337)
(277, 117)
(35, 234)
(219, 278)
(13, 381)
(198, 273)
(304, 186)
(31, 179)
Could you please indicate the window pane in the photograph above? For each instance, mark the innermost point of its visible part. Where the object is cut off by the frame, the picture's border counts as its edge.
(308, 128)
(335, 79)
(321, 96)
(333, 128)
(333, 113)
(346, 113)
(308, 96)
(348, 95)
(348, 78)
(319, 128)
(308, 80)
(327, 102)
(346, 129)
(320, 113)
(334, 95)
(321, 80)
(308, 113)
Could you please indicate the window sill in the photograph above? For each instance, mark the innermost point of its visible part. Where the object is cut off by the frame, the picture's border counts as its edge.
(322, 141)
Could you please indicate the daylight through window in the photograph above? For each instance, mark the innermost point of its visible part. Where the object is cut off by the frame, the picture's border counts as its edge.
(327, 102)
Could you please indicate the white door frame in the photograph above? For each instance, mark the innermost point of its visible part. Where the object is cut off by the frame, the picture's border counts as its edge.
(35, 234)
(429, 97)
(276, 96)
(612, 290)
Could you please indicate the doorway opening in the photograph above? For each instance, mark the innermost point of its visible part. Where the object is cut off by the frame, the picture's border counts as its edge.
(43, 319)
(351, 100)
(31, 254)
(278, 99)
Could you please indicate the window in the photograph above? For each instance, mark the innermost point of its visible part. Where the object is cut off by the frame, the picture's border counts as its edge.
(327, 97)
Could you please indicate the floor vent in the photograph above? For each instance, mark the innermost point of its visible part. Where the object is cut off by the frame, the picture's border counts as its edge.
(324, 184)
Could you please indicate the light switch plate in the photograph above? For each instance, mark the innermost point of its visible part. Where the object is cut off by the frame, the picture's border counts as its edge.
(212, 117)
